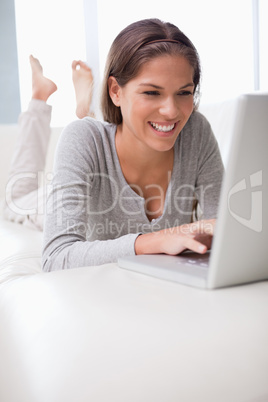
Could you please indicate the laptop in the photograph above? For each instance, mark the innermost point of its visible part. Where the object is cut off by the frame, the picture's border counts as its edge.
(239, 252)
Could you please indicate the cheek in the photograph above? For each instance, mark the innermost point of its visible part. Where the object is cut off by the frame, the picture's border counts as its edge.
(134, 111)
(187, 106)
(125, 109)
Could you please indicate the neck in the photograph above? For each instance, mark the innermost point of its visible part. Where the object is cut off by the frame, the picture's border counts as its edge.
(139, 157)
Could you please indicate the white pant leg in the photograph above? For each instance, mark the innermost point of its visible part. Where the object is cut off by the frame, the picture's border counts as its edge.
(24, 199)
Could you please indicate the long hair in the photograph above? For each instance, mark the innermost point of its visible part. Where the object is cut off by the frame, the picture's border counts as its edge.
(132, 48)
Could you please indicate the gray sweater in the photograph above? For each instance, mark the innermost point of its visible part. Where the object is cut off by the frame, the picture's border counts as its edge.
(93, 216)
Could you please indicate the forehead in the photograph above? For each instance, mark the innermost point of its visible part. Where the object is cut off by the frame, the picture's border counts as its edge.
(166, 67)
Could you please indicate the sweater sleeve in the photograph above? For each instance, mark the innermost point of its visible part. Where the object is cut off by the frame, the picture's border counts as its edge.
(68, 202)
(210, 172)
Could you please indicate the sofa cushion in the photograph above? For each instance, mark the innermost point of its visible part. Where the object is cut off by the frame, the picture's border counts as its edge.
(20, 252)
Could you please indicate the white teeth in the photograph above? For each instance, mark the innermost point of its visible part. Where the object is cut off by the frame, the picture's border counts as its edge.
(164, 129)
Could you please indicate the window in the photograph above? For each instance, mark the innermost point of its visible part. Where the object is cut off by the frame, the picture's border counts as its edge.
(221, 31)
(263, 35)
(53, 31)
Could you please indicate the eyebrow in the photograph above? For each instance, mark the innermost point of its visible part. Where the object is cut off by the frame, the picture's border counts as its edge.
(148, 84)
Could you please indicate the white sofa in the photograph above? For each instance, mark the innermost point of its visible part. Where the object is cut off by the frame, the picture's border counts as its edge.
(104, 334)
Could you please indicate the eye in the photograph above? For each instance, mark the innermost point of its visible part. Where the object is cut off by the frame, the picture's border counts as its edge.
(185, 93)
(151, 93)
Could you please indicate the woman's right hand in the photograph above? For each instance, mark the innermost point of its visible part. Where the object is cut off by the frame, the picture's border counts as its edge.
(196, 236)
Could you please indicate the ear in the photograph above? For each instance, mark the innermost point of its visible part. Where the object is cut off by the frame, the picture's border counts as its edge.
(114, 91)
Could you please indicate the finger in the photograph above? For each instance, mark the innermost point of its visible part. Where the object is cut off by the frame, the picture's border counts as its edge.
(194, 245)
(204, 239)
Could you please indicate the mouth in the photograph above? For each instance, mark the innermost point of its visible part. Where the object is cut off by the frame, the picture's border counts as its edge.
(163, 128)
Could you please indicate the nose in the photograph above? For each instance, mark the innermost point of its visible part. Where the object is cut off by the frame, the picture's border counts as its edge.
(169, 108)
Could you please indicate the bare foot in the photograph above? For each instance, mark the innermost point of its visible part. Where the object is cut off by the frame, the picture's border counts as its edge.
(83, 85)
(42, 87)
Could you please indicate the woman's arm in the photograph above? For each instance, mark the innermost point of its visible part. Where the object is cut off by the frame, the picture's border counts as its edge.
(76, 192)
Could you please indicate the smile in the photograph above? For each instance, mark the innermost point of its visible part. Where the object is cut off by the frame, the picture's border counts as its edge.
(162, 128)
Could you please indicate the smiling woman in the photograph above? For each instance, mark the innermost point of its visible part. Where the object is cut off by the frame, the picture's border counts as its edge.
(154, 117)
(146, 168)
(126, 58)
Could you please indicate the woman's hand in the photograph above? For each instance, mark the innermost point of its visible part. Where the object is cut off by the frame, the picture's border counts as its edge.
(196, 236)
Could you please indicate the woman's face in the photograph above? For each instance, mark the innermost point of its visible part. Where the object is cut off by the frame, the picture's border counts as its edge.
(158, 102)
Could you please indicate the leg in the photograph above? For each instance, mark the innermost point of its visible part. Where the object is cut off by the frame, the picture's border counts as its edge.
(83, 85)
(30, 151)
(31, 148)
(34, 130)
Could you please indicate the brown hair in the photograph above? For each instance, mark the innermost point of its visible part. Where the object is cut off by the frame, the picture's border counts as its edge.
(132, 48)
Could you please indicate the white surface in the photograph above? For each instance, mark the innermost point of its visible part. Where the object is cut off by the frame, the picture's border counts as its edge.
(105, 334)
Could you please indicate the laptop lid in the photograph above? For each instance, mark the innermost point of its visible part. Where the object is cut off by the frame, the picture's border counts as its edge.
(240, 245)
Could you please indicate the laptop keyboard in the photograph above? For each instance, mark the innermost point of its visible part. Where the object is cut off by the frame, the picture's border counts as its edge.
(197, 263)
(194, 260)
